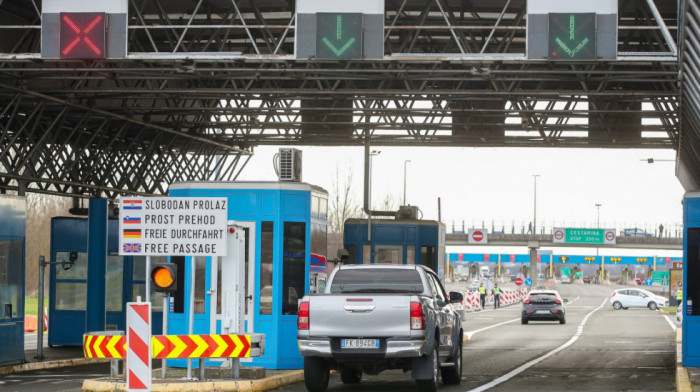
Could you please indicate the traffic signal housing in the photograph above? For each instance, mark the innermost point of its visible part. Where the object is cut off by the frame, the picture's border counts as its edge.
(164, 277)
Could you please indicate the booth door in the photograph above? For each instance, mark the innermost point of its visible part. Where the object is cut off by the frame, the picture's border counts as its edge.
(227, 275)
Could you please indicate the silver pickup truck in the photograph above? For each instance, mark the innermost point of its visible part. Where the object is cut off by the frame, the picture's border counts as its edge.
(377, 317)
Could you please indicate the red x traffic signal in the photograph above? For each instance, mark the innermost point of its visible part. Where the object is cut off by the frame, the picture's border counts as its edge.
(82, 35)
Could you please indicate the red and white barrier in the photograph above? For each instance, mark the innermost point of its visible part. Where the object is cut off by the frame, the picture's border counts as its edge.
(138, 343)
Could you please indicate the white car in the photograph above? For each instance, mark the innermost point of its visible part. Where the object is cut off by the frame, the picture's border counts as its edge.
(679, 314)
(636, 298)
(565, 279)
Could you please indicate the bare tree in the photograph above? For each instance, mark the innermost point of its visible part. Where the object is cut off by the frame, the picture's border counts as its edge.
(390, 203)
(343, 205)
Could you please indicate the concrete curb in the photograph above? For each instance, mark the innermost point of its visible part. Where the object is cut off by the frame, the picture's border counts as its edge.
(264, 384)
(682, 379)
(28, 367)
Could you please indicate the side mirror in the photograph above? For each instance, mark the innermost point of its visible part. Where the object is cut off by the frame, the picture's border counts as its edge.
(455, 297)
(566, 300)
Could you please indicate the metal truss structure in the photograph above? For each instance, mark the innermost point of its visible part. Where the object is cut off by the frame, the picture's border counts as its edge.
(206, 81)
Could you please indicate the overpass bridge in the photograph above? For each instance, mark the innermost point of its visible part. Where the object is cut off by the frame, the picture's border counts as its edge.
(545, 240)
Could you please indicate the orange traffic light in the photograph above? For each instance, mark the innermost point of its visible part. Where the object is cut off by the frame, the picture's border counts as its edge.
(164, 277)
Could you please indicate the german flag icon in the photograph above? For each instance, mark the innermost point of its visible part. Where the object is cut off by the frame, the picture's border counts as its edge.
(132, 233)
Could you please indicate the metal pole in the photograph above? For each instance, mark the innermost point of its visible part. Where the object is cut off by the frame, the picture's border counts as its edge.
(166, 307)
(597, 226)
(534, 219)
(40, 313)
(148, 278)
(190, 323)
(404, 180)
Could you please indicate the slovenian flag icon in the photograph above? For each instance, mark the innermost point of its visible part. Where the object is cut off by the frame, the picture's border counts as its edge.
(131, 204)
(132, 220)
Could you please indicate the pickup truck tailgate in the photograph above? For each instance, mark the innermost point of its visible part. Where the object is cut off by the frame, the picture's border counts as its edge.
(345, 315)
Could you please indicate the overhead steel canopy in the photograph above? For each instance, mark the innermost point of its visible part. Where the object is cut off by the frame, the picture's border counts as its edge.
(205, 81)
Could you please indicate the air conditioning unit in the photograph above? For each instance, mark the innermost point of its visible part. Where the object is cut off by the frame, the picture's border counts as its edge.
(407, 213)
(289, 164)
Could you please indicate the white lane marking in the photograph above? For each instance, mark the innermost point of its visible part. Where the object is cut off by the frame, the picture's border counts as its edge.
(472, 333)
(673, 326)
(535, 361)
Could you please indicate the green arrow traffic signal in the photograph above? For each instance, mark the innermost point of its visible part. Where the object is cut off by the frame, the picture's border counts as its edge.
(338, 36)
(572, 36)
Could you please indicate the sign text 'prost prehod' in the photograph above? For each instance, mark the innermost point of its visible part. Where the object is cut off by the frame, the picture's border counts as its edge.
(173, 226)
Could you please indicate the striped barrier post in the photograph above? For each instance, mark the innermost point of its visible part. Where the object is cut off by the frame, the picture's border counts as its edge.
(138, 346)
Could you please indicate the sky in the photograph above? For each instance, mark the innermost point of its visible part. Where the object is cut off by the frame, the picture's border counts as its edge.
(496, 185)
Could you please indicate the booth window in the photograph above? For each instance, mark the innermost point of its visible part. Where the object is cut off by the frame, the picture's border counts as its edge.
(366, 254)
(427, 256)
(294, 268)
(323, 214)
(114, 283)
(71, 283)
(693, 281)
(11, 279)
(318, 239)
(200, 266)
(267, 240)
(410, 254)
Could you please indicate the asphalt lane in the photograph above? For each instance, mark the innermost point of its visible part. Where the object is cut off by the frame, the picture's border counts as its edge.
(55, 380)
(625, 350)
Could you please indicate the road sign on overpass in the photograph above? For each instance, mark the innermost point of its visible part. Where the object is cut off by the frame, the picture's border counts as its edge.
(583, 236)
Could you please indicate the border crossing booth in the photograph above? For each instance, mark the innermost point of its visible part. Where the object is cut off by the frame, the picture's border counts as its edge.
(12, 235)
(404, 241)
(691, 280)
(125, 280)
(285, 227)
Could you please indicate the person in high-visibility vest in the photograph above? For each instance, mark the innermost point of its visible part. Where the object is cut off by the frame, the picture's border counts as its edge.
(496, 296)
(482, 295)
(679, 294)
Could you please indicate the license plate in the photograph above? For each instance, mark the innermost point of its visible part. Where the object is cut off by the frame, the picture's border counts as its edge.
(542, 312)
(359, 343)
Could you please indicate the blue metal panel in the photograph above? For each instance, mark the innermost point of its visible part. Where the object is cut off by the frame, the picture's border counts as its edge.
(691, 323)
(295, 204)
(269, 206)
(95, 317)
(382, 234)
(12, 290)
(692, 210)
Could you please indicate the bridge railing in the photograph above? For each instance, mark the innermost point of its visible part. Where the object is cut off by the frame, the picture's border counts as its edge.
(669, 230)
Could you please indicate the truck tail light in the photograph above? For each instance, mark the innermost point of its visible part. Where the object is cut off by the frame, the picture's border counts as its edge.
(417, 318)
(303, 318)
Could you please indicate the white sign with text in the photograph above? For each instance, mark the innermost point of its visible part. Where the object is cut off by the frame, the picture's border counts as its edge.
(173, 226)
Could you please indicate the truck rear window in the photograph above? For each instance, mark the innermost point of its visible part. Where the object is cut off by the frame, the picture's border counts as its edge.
(377, 280)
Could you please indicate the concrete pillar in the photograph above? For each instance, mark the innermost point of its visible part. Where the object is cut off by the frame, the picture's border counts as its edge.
(534, 275)
(95, 316)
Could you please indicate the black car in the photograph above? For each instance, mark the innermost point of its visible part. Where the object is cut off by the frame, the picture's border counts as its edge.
(543, 305)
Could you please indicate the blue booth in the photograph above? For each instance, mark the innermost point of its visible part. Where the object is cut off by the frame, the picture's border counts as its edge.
(12, 232)
(124, 280)
(284, 223)
(405, 241)
(691, 280)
